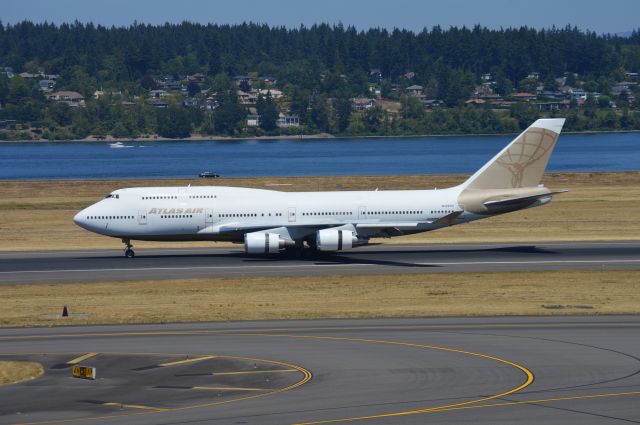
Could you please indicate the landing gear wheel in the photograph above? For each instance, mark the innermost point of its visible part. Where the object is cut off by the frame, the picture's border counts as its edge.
(128, 252)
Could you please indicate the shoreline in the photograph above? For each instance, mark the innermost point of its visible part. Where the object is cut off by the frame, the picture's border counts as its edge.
(319, 176)
(301, 137)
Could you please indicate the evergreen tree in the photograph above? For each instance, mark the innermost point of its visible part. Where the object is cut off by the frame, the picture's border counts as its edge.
(268, 112)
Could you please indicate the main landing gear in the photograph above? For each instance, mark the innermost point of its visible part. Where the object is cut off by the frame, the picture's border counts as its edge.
(128, 251)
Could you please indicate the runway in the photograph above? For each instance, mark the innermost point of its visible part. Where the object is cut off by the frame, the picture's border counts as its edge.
(110, 265)
(551, 370)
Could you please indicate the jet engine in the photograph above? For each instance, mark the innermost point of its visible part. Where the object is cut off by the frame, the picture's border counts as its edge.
(264, 243)
(337, 240)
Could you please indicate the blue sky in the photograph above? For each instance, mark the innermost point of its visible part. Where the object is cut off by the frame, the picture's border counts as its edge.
(602, 16)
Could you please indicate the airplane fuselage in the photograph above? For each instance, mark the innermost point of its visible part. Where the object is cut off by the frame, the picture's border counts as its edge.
(201, 212)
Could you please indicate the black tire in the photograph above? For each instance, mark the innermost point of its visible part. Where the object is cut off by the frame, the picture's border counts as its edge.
(129, 253)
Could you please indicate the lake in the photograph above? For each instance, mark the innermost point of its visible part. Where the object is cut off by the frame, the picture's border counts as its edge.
(255, 158)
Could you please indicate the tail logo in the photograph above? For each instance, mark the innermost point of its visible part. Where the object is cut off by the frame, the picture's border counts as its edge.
(534, 145)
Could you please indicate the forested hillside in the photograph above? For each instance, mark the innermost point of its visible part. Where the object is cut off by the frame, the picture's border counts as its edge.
(77, 80)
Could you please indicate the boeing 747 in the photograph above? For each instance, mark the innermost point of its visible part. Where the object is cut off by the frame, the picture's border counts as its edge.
(268, 222)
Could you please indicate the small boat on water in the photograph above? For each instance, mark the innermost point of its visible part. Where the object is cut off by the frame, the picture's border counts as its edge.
(117, 145)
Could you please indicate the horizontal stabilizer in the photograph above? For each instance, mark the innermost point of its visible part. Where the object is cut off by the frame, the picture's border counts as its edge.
(513, 201)
(448, 219)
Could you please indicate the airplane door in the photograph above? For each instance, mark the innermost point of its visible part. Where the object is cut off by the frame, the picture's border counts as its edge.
(142, 217)
(208, 217)
(362, 212)
(292, 214)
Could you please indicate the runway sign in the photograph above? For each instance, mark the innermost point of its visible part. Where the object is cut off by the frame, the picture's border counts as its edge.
(84, 372)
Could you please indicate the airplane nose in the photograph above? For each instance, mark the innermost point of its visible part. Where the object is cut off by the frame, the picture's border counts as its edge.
(79, 219)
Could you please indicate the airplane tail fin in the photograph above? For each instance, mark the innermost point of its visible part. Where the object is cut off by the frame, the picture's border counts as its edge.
(522, 162)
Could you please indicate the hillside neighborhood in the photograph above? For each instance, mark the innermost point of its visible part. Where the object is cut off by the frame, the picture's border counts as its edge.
(41, 100)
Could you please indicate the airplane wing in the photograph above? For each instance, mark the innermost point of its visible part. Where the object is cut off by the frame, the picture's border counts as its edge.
(508, 202)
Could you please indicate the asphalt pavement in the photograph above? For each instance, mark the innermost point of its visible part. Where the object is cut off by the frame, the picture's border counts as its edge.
(111, 265)
(551, 370)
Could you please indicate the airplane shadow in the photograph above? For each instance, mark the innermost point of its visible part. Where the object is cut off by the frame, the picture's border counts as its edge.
(326, 258)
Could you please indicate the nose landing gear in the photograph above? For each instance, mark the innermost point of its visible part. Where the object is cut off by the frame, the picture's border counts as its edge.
(128, 251)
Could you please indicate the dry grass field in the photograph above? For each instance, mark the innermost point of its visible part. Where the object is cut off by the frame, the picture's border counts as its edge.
(37, 215)
(420, 295)
(13, 372)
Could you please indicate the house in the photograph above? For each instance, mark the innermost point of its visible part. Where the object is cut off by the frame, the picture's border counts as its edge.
(578, 94)
(211, 103)
(622, 87)
(524, 96)
(375, 76)
(554, 105)
(475, 102)
(158, 104)
(158, 94)
(241, 79)
(196, 78)
(267, 81)
(246, 98)
(361, 103)
(631, 75)
(71, 98)
(486, 76)
(432, 103)
(29, 75)
(253, 120)
(375, 91)
(288, 120)
(534, 75)
(492, 98)
(46, 85)
(190, 102)
(409, 75)
(414, 90)
(552, 95)
(275, 93)
(7, 123)
(7, 71)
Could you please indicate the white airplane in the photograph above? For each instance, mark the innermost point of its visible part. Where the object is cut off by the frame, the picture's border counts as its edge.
(270, 221)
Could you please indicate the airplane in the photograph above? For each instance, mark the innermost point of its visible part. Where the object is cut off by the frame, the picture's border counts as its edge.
(270, 222)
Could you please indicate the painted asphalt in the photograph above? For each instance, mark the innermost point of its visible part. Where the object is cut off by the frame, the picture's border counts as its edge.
(111, 265)
(551, 370)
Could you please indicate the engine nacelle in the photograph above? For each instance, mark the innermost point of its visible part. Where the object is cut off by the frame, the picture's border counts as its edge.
(336, 240)
(263, 243)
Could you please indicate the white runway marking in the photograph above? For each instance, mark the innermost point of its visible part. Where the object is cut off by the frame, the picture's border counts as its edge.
(302, 266)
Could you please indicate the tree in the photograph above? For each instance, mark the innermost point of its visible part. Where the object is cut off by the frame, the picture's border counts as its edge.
(342, 109)
(319, 114)
(193, 88)
(604, 101)
(4, 90)
(245, 86)
(174, 123)
(268, 112)
(148, 83)
(528, 85)
(550, 83)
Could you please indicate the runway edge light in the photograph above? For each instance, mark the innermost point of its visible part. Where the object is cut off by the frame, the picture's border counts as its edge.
(84, 372)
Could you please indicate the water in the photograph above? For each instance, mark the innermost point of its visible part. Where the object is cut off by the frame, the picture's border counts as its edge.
(418, 155)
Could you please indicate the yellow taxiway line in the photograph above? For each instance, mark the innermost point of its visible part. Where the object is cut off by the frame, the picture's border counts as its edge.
(229, 389)
(253, 372)
(134, 406)
(196, 359)
(82, 358)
